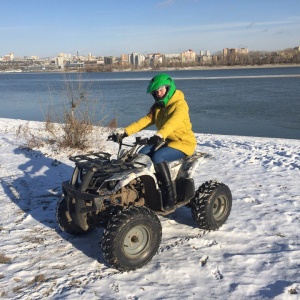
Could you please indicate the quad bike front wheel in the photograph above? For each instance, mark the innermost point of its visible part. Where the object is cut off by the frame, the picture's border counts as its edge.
(64, 220)
(211, 205)
(131, 238)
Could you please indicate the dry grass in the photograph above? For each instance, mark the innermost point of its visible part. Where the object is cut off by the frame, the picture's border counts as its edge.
(37, 279)
(4, 259)
(32, 138)
(33, 239)
(113, 124)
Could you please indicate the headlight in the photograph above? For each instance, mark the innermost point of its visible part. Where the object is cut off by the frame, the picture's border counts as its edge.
(111, 184)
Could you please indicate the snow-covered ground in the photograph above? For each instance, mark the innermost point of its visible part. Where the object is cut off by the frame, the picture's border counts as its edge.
(255, 255)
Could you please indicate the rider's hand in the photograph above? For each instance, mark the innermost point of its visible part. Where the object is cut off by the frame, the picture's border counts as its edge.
(155, 140)
(118, 136)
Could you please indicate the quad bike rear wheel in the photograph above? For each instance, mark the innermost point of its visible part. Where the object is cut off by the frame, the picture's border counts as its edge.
(65, 222)
(132, 238)
(211, 205)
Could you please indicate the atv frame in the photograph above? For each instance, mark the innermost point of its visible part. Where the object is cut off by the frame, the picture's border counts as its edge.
(124, 195)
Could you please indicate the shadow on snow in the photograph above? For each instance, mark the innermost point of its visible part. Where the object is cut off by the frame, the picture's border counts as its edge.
(36, 188)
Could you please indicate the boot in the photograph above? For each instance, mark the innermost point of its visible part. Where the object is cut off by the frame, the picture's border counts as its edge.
(164, 176)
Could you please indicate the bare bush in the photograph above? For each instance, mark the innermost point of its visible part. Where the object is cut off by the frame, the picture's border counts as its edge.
(76, 132)
(72, 125)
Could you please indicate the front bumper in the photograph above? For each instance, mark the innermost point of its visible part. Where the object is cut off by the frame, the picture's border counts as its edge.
(80, 203)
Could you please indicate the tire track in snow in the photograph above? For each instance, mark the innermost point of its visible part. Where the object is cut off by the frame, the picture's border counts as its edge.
(82, 278)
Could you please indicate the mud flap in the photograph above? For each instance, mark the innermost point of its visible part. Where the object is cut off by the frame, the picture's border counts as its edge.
(185, 189)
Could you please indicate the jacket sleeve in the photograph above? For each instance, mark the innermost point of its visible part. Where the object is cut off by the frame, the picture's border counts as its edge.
(141, 124)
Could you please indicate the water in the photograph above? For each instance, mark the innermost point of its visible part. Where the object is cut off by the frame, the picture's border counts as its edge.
(262, 102)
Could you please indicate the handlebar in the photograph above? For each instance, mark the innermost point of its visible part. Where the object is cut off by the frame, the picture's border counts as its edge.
(139, 141)
(117, 138)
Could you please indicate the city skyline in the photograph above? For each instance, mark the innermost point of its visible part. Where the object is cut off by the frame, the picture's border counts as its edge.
(111, 28)
(90, 56)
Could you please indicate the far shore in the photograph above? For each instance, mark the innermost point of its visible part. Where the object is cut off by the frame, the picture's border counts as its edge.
(217, 67)
(164, 69)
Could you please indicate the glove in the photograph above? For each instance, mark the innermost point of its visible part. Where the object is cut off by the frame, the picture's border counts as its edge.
(118, 136)
(155, 140)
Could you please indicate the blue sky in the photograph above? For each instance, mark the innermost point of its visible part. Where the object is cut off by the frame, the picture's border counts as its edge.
(48, 27)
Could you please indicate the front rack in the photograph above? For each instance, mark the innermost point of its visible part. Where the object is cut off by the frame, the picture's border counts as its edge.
(91, 160)
(101, 164)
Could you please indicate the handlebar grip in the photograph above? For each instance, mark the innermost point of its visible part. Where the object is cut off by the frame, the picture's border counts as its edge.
(141, 141)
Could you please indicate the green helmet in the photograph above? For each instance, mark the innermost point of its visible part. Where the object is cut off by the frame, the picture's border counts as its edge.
(158, 81)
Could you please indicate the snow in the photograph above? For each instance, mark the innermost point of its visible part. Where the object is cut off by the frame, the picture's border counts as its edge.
(254, 255)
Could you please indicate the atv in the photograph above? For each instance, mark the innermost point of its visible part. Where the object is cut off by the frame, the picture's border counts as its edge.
(124, 195)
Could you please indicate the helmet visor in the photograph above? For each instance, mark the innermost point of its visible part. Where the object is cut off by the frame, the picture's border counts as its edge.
(161, 88)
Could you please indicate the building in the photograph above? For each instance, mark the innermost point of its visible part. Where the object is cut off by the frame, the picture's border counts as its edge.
(108, 60)
(8, 57)
(75, 64)
(65, 56)
(132, 57)
(59, 62)
(232, 54)
(188, 56)
(124, 59)
(171, 60)
(205, 57)
(136, 59)
(172, 56)
(205, 53)
(154, 59)
(139, 59)
(234, 51)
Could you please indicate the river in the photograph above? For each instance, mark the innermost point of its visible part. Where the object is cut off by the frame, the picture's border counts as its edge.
(263, 102)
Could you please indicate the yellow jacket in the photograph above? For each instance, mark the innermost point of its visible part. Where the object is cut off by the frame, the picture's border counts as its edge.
(173, 123)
